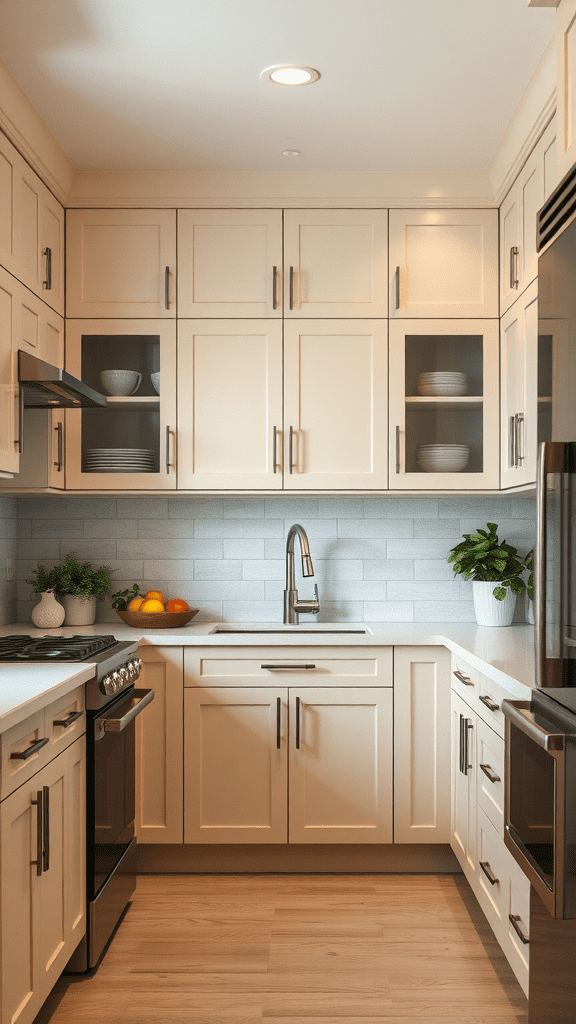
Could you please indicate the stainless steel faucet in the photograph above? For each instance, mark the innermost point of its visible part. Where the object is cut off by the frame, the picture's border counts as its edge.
(292, 606)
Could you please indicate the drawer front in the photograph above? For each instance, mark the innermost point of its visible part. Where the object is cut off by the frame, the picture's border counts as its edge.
(484, 696)
(65, 720)
(288, 667)
(465, 680)
(516, 947)
(25, 737)
(490, 774)
(493, 876)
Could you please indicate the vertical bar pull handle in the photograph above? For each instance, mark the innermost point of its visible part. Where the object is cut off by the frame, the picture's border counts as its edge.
(48, 282)
(513, 257)
(19, 441)
(274, 287)
(397, 287)
(167, 448)
(397, 449)
(512, 443)
(278, 721)
(519, 437)
(58, 463)
(46, 830)
(291, 450)
(167, 288)
(467, 731)
(275, 464)
(291, 287)
(39, 833)
(298, 723)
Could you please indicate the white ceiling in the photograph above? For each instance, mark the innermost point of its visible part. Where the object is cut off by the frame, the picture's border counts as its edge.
(175, 84)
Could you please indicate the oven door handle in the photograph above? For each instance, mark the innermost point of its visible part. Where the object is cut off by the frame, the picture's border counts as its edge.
(519, 714)
(136, 703)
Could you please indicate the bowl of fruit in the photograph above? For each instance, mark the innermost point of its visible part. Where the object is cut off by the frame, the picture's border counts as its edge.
(151, 610)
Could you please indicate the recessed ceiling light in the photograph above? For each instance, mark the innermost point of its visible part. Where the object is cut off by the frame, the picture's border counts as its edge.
(290, 74)
(290, 152)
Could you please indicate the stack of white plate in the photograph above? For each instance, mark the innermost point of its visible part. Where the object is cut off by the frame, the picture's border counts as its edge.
(442, 383)
(442, 458)
(119, 460)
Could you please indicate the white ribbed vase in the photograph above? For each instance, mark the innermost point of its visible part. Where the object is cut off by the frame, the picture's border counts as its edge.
(48, 613)
(80, 611)
(489, 611)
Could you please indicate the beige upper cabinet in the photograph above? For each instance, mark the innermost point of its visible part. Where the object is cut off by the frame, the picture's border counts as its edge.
(335, 263)
(443, 263)
(566, 85)
(10, 318)
(31, 228)
(121, 263)
(335, 402)
(519, 386)
(229, 263)
(230, 404)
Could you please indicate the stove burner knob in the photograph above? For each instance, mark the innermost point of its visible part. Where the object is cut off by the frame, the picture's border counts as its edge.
(135, 667)
(123, 677)
(107, 684)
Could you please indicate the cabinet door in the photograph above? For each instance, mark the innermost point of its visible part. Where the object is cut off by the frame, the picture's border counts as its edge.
(463, 826)
(340, 765)
(335, 263)
(421, 745)
(510, 248)
(132, 444)
(230, 404)
(10, 291)
(41, 329)
(519, 399)
(443, 263)
(235, 779)
(335, 388)
(121, 263)
(444, 429)
(10, 169)
(159, 747)
(229, 263)
(566, 85)
(51, 242)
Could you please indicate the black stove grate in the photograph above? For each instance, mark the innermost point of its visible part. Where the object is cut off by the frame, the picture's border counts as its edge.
(53, 648)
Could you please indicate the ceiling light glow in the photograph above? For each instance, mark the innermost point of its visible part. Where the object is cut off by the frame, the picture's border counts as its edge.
(290, 74)
(290, 152)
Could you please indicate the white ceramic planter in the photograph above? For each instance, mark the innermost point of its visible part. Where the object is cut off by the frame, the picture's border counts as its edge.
(489, 611)
(48, 613)
(80, 611)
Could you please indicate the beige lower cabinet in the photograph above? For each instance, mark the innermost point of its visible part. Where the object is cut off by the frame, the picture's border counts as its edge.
(269, 759)
(421, 745)
(463, 826)
(159, 747)
(43, 904)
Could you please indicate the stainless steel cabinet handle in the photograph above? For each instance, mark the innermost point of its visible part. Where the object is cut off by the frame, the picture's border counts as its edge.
(397, 449)
(489, 703)
(489, 873)
(278, 717)
(19, 441)
(519, 438)
(39, 833)
(274, 287)
(291, 450)
(46, 830)
(167, 288)
(467, 731)
(23, 755)
(397, 289)
(463, 679)
(514, 918)
(512, 442)
(168, 463)
(461, 747)
(291, 288)
(465, 726)
(59, 451)
(65, 722)
(298, 702)
(48, 282)
(288, 668)
(490, 773)
(275, 465)
(513, 275)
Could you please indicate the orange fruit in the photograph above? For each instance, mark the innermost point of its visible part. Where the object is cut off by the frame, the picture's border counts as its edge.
(155, 595)
(177, 604)
(135, 604)
(152, 606)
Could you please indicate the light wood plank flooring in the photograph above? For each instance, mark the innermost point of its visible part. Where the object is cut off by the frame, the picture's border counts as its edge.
(296, 949)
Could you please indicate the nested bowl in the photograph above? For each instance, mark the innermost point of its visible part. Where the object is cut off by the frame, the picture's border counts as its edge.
(157, 620)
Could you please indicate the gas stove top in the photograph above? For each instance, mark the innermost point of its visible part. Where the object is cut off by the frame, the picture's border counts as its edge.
(53, 648)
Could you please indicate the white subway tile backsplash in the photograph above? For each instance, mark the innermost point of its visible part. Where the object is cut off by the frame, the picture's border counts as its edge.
(142, 508)
(419, 548)
(416, 591)
(444, 611)
(263, 569)
(93, 507)
(73, 528)
(210, 569)
(137, 547)
(233, 548)
(252, 611)
(388, 611)
(240, 528)
(382, 507)
(388, 569)
(340, 508)
(433, 569)
(243, 508)
(110, 528)
(432, 529)
(46, 551)
(375, 528)
(482, 509)
(291, 506)
(156, 528)
(194, 508)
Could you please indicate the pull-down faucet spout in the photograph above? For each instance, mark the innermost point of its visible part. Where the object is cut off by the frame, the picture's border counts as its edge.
(292, 606)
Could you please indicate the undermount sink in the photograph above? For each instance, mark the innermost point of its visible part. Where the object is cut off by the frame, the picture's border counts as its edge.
(325, 628)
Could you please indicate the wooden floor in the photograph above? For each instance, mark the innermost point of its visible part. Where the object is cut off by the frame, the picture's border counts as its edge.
(293, 949)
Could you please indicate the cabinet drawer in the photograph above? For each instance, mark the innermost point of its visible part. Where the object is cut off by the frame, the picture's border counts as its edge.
(490, 774)
(288, 666)
(15, 770)
(465, 680)
(493, 876)
(484, 696)
(65, 721)
(516, 947)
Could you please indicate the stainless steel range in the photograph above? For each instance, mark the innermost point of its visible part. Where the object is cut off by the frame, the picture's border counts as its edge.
(112, 704)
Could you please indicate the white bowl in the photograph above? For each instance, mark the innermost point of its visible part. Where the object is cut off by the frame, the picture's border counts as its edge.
(120, 382)
(155, 378)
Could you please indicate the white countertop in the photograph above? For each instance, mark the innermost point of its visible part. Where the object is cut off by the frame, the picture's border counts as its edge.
(504, 654)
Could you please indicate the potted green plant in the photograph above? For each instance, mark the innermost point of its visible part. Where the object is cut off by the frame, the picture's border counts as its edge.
(495, 569)
(48, 613)
(78, 586)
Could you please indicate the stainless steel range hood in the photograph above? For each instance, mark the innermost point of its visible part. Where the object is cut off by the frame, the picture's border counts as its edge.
(43, 386)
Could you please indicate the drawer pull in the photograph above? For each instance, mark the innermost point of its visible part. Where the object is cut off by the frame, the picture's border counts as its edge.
(278, 721)
(490, 704)
(488, 872)
(288, 668)
(298, 702)
(46, 830)
(488, 771)
(65, 722)
(463, 679)
(39, 832)
(514, 918)
(23, 755)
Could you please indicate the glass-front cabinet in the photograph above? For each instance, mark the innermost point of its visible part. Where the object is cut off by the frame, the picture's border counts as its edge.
(444, 406)
(131, 444)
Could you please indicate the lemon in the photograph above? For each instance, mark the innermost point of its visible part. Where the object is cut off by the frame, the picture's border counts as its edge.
(152, 605)
(135, 604)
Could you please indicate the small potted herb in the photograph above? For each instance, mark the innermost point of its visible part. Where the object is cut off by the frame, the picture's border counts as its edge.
(78, 585)
(495, 569)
